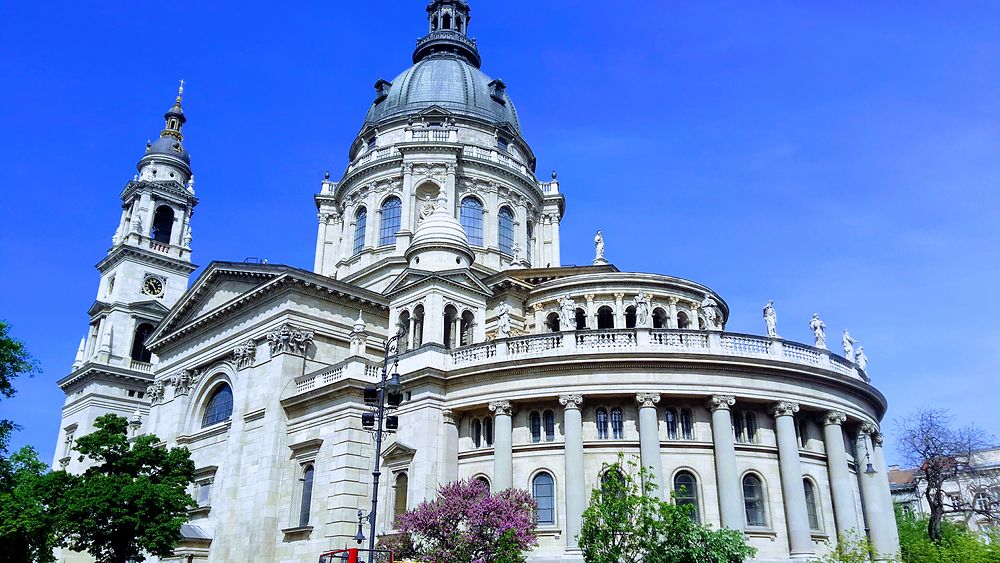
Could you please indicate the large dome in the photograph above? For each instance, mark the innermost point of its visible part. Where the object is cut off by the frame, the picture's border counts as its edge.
(448, 81)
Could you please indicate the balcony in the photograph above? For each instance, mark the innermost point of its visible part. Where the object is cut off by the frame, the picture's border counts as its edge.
(144, 367)
(658, 341)
(373, 156)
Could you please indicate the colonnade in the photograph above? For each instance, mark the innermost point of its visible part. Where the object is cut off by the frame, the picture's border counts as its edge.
(873, 480)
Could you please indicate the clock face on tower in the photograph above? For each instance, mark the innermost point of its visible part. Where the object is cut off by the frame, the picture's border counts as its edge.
(152, 286)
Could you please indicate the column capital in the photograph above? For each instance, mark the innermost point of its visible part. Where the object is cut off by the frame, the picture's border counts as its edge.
(877, 439)
(450, 417)
(783, 408)
(501, 408)
(589, 297)
(672, 300)
(619, 296)
(537, 307)
(571, 402)
(647, 400)
(716, 402)
(868, 428)
(834, 417)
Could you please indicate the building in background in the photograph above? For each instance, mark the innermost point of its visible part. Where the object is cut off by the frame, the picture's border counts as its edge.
(517, 370)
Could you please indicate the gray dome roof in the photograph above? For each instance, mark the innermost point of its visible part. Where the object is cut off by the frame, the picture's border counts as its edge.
(169, 146)
(447, 81)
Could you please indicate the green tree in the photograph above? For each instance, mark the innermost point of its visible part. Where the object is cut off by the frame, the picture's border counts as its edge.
(957, 543)
(14, 361)
(626, 522)
(132, 500)
(29, 515)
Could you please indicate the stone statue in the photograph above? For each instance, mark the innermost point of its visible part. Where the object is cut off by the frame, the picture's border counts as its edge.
(186, 240)
(819, 330)
(503, 321)
(861, 359)
(136, 223)
(713, 314)
(599, 249)
(848, 346)
(642, 305)
(771, 318)
(428, 207)
(568, 308)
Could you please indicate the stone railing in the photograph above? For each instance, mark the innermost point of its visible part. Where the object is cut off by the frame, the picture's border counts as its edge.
(496, 157)
(159, 246)
(440, 34)
(652, 341)
(144, 367)
(435, 135)
(351, 368)
(372, 156)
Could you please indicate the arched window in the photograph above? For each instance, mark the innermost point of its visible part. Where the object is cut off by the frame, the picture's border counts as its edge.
(601, 418)
(466, 326)
(472, 220)
(163, 224)
(535, 422)
(392, 210)
(451, 338)
(484, 480)
(305, 506)
(139, 351)
(671, 418)
(506, 232)
(753, 501)
(682, 320)
(549, 423)
(630, 316)
(404, 326)
(751, 427)
(530, 243)
(659, 318)
(811, 504)
(477, 432)
(400, 493)
(544, 491)
(686, 493)
(612, 482)
(739, 430)
(687, 425)
(360, 222)
(617, 424)
(418, 327)
(488, 431)
(581, 319)
(605, 317)
(446, 21)
(552, 322)
(219, 407)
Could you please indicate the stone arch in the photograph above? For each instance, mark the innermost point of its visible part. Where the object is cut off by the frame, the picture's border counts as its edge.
(605, 317)
(467, 326)
(218, 374)
(450, 320)
(163, 224)
(660, 318)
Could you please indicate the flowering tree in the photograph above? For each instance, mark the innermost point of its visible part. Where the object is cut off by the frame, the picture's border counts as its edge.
(467, 524)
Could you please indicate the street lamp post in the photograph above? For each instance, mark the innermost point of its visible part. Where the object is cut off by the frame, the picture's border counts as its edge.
(388, 389)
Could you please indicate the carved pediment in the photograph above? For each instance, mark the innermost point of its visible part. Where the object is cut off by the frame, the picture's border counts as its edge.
(410, 279)
(398, 454)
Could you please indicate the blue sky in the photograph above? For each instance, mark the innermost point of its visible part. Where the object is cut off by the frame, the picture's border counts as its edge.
(839, 158)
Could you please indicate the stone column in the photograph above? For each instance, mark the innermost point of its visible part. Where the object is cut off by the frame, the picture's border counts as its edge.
(321, 243)
(449, 471)
(726, 474)
(672, 314)
(840, 477)
(591, 313)
(619, 310)
(538, 308)
(576, 492)
(649, 439)
(503, 446)
(793, 492)
(878, 511)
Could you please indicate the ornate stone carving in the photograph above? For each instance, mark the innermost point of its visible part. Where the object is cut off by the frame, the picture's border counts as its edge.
(537, 307)
(571, 402)
(877, 439)
(183, 381)
(716, 402)
(449, 417)
(289, 338)
(868, 428)
(771, 320)
(503, 321)
(155, 393)
(647, 400)
(848, 346)
(819, 331)
(599, 259)
(783, 408)
(642, 304)
(713, 313)
(861, 359)
(245, 354)
(501, 408)
(567, 308)
(834, 417)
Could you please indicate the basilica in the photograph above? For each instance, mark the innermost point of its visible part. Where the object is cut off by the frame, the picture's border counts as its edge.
(515, 370)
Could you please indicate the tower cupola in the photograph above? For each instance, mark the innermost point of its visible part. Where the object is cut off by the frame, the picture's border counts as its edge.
(169, 148)
(448, 23)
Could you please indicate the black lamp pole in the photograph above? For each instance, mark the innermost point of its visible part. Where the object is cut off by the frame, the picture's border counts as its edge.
(390, 385)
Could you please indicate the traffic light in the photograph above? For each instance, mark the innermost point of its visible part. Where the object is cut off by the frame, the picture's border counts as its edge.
(371, 395)
(368, 420)
(391, 422)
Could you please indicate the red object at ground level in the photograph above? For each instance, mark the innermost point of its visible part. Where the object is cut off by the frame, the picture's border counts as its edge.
(355, 555)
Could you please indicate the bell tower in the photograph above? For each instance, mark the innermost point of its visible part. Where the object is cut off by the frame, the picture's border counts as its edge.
(144, 273)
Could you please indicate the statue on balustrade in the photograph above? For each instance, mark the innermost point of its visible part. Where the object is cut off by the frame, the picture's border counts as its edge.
(771, 318)
(713, 314)
(503, 320)
(819, 330)
(861, 359)
(568, 312)
(848, 346)
(642, 306)
(599, 249)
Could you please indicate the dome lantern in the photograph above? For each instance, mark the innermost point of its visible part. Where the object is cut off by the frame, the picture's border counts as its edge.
(448, 31)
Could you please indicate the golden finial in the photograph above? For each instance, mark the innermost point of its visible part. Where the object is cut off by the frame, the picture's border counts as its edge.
(180, 91)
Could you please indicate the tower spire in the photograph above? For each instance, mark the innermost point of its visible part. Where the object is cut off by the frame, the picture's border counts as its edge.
(448, 32)
(175, 117)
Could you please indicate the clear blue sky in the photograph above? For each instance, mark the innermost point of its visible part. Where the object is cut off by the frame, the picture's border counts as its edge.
(841, 158)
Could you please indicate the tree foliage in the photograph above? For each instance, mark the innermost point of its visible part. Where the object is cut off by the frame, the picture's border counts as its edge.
(14, 361)
(29, 514)
(626, 522)
(468, 524)
(957, 543)
(928, 441)
(854, 549)
(132, 500)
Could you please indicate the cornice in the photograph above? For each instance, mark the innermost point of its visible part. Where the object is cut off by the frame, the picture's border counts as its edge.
(91, 370)
(170, 187)
(119, 253)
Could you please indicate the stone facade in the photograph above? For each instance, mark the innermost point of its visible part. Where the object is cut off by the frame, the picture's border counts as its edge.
(515, 370)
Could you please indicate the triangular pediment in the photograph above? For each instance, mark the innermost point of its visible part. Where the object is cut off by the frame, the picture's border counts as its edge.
(434, 111)
(398, 452)
(410, 279)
